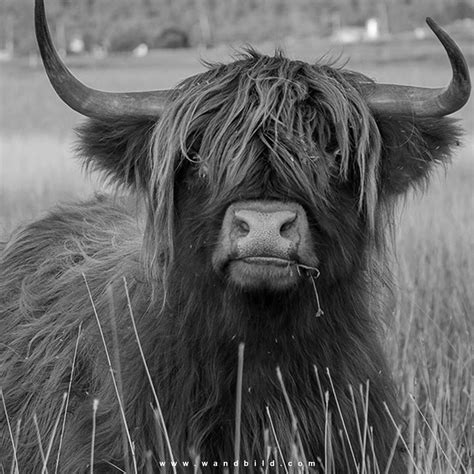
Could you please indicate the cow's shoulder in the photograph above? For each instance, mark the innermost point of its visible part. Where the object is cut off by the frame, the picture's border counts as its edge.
(71, 230)
(45, 265)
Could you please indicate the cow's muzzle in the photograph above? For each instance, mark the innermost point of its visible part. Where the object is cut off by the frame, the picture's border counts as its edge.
(264, 245)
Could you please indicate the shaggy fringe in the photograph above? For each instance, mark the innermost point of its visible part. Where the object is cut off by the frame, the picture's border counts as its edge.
(310, 122)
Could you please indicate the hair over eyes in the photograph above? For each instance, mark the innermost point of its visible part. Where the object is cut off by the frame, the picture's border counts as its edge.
(311, 115)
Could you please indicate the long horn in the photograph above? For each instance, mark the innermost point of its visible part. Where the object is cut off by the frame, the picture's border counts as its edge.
(422, 101)
(83, 99)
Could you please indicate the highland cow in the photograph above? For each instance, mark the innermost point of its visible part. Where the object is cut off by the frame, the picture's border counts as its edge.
(258, 198)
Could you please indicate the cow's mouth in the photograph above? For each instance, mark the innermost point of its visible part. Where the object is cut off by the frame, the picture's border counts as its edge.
(277, 261)
(263, 273)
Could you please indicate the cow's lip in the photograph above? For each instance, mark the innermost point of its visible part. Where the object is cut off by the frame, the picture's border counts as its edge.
(263, 272)
(267, 260)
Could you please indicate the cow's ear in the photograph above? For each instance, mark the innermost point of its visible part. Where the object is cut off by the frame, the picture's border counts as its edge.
(118, 149)
(411, 148)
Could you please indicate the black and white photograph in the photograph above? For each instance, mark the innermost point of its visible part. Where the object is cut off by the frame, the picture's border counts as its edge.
(236, 236)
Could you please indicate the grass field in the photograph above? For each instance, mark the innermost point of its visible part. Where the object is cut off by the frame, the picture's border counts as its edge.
(429, 338)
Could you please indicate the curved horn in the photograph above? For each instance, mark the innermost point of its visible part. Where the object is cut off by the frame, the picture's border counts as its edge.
(422, 101)
(83, 99)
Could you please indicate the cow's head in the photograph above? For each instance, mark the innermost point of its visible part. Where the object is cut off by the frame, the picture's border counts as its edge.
(267, 168)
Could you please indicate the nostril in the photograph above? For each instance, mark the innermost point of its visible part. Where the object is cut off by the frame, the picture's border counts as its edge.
(288, 225)
(242, 226)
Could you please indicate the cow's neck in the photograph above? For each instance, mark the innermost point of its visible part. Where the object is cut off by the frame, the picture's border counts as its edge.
(283, 332)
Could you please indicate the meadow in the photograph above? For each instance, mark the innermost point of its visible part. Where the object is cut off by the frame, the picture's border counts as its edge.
(429, 331)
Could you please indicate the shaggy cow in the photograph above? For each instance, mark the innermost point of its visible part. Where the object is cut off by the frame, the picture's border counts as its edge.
(259, 195)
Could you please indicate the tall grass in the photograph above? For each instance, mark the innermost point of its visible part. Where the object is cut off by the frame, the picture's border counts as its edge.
(430, 343)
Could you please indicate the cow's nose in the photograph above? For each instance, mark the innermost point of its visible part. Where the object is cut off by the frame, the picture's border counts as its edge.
(261, 244)
(265, 228)
(269, 226)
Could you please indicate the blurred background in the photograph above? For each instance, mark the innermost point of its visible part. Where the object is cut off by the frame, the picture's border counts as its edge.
(109, 26)
(146, 44)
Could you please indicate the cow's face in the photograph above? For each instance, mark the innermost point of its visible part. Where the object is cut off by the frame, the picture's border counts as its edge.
(270, 170)
(258, 237)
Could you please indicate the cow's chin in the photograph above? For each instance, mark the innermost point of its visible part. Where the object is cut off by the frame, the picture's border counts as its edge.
(263, 274)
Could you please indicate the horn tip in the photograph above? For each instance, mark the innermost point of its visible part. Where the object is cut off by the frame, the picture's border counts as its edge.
(432, 24)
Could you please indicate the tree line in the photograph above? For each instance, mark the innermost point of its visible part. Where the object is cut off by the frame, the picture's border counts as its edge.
(121, 24)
